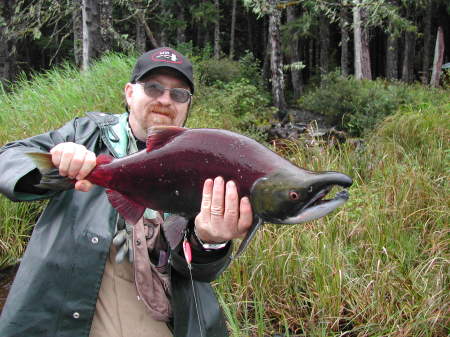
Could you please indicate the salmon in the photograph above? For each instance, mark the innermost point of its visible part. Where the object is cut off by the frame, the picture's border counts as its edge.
(169, 175)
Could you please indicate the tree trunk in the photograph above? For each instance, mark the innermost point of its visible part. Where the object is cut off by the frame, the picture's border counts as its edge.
(345, 38)
(297, 85)
(163, 28)
(310, 55)
(276, 61)
(233, 28)
(408, 57)
(106, 25)
(217, 32)
(392, 57)
(77, 26)
(427, 44)
(324, 33)
(361, 40)
(266, 62)
(181, 29)
(139, 13)
(254, 37)
(140, 39)
(438, 58)
(7, 45)
(163, 37)
(91, 32)
(266, 51)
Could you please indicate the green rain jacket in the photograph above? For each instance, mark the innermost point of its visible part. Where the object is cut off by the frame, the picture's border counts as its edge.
(55, 290)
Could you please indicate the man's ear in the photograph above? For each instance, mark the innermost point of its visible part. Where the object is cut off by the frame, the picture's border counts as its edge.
(129, 88)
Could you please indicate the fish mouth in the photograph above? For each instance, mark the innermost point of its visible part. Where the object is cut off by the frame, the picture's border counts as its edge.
(318, 207)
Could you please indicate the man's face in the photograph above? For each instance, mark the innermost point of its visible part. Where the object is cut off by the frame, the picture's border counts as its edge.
(146, 111)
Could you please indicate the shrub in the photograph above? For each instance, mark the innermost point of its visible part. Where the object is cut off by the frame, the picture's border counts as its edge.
(238, 106)
(355, 106)
(211, 71)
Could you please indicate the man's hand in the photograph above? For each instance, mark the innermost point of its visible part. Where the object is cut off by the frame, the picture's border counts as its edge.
(222, 216)
(74, 161)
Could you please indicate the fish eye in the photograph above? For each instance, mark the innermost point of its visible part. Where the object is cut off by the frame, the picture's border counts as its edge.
(294, 195)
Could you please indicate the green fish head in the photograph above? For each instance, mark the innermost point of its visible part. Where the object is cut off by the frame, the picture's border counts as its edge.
(287, 197)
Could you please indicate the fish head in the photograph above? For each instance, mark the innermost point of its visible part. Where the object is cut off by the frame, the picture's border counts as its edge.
(296, 196)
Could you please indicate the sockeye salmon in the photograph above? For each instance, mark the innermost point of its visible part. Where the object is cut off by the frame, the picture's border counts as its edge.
(169, 175)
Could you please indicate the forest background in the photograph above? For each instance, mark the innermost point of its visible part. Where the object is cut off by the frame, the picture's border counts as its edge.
(377, 267)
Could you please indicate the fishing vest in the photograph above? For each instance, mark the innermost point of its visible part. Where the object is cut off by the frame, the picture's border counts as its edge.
(150, 257)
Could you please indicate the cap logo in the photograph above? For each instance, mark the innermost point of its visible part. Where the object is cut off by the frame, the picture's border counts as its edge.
(166, 55)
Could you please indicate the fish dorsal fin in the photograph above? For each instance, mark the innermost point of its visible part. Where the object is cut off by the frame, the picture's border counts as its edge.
(158, 136)
(129, 209)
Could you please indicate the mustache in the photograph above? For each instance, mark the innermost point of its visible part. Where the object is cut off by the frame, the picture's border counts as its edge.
(162, 110)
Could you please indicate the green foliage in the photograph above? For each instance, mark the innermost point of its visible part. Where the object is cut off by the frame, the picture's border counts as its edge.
(250, 68)
(354, 105)
(205, 13)
(445, 78)
(238, 106)
(210, 71)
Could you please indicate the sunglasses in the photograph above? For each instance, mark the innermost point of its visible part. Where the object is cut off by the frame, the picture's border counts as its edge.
(155, 90)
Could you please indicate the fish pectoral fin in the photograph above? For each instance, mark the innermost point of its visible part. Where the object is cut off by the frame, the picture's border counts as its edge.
(257, 222)
(158, 136)
(174, 227)
(129, 209)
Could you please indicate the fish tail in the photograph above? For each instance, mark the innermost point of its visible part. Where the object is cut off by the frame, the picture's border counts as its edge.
(50, 178)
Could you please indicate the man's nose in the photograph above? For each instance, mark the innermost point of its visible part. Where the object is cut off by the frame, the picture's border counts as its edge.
(165, 98)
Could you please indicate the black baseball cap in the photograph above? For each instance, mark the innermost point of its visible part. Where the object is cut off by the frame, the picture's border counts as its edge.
(163, 57)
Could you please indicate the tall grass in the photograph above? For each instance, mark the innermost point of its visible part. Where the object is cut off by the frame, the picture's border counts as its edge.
(379, 266)
(51, 99)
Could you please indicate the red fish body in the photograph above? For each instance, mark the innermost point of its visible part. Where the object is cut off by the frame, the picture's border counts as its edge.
(169, 176)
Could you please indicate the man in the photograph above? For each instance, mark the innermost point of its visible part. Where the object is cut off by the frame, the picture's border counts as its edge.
(70, 281)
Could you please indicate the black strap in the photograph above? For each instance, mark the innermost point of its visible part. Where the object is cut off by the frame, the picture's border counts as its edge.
(104, 121)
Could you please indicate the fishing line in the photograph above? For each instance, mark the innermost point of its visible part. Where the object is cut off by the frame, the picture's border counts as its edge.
(188, 256)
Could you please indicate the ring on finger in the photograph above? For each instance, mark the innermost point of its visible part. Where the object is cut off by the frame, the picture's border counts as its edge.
(217, 211)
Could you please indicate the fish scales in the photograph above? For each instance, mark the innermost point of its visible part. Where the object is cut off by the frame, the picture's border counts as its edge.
(187, 161)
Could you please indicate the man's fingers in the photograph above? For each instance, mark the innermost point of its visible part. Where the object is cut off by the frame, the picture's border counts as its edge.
(83, 185)
(76, 162)
(206, 199)
(73, 160)
(67, 152)
(88, 165)
(231, 213)
(217, 201)
(245, 216)
(56, 153)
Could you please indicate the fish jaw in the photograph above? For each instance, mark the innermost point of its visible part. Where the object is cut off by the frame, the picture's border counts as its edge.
(317, 211)
(296, 196)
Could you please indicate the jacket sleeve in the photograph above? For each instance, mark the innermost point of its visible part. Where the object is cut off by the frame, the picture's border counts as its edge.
(18, 174)
(206, 266)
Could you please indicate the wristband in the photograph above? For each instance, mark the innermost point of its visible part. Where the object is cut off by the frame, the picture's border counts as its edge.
(209, 246)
